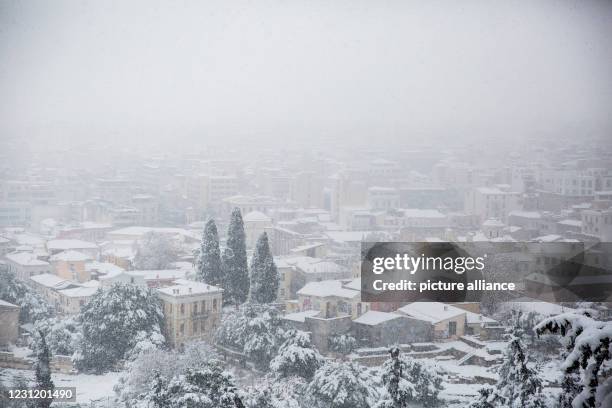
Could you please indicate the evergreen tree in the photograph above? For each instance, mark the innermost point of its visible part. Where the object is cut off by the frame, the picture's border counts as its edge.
(43, 372)
(264, 275)
(209, 264)
(235, 262)
(33, 307)
(117, 323)
(587, 342)
(338, 385)
(208, 387)
(487, 399)
(518, 385)
(296, 357)
(408, 381)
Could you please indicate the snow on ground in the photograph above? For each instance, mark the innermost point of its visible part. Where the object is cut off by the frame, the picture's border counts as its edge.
(89, 387)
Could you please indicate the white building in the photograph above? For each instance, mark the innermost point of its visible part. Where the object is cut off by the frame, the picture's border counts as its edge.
(25, 264)
(491, 202)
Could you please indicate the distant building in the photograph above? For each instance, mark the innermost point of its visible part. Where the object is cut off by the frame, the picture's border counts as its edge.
(55, 246)
(491, 202)
(192, 311)
(255, 224)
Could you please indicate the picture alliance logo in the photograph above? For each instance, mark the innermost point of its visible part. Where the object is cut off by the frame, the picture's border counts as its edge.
(412, 264)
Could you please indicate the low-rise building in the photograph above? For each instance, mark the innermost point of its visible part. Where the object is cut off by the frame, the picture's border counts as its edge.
(448, 322)
(70, 265)
(332, 298)
(25, 265)
(381, 329)
(192, 311)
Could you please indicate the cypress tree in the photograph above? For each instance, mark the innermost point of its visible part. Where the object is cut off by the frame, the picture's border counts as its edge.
(264, 275)
(235, 262)
(43, 371)
(209, 264)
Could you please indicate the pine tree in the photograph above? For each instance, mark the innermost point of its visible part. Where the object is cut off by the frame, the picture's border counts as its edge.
(235, 262)
(338, 385)
(158, 393)
(209, 264)
(43, 371)
(408, 381)
(588, 343)
(296, 357)
(518, 385)
(264, 275)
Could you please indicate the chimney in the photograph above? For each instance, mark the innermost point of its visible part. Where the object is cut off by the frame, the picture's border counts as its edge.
(445, 308)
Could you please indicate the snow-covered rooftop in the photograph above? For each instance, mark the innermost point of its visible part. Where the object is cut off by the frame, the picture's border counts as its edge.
(433, 312)
(7, 304)
(256, 216)
(184, 287)
(82, 291)
(65, 244)
(309, 264)
(526, 214)
(373, 317)
(328, 288)
(71, 256)
(162, 274)
(102, 267)
(26, 259)
(301, 316)
(51, 281)
(422, 213)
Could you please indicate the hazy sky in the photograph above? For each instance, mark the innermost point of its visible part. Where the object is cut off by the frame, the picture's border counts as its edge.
(286, 68)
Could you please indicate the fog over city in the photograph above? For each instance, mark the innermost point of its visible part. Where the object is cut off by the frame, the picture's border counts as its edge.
(282, 71)
(305, 204)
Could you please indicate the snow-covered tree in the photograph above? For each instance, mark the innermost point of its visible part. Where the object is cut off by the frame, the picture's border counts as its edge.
(342, 343)
(32, 306)
(155, 251)
(209, 264)
(208, 387)
(43, 372)
(339, 385)
(519, 385)
(235, 262)
(140, 371)
(264, 275)
(486, 399)
(255, 329)
(296, 357)
(274, 392)
(587, 342)
(408, 381)
(62, 335)
(117, 322)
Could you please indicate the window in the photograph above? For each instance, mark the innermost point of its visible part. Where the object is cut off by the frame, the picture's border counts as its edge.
(195, 308)
(195, 327)
(203, 308)
(182, 309)
(214, 305)
(182, 329)
(452, 328)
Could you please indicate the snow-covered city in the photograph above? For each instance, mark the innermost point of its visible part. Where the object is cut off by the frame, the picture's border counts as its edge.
(186, 192)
